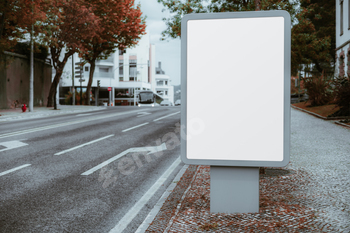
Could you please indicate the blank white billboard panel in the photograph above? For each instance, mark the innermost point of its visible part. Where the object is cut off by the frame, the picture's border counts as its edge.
(235, 79)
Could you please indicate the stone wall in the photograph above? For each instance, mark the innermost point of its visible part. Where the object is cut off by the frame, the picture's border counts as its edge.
(14, 81)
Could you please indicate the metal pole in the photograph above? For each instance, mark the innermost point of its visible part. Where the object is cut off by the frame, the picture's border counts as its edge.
(81, 88)
(31, 77)
(299, 87)
(73, 91)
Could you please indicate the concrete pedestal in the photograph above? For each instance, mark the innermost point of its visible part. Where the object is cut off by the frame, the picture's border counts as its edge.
(234, 189)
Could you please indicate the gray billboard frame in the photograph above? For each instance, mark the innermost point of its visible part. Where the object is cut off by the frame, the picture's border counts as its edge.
(286, 92)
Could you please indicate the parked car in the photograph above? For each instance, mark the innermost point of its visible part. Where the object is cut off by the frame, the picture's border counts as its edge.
(166, 103)
(177, 102)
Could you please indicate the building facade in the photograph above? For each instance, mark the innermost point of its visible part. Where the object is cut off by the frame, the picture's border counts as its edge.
(342, 66)
(123, 74)
(161, 84)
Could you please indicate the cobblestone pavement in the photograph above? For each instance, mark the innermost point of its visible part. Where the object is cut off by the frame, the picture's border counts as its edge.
(311, 194)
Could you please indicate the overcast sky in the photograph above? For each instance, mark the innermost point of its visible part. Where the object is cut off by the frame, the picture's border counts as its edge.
(168, 51)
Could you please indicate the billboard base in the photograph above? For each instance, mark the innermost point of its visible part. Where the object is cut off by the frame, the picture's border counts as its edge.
(234, 189)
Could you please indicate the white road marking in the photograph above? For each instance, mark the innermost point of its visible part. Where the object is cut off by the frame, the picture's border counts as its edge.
(152, 149)
(135, 127)
(12, 145)
(65, 124)
(143, 114)
(128, 217)
(166, 116)
(85, 114)
(14, 169)
(85, 144)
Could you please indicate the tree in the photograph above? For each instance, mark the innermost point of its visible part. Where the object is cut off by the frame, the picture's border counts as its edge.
(313, 38)
(179, 8)
(16, 18)
(120, 25)
(70, 24)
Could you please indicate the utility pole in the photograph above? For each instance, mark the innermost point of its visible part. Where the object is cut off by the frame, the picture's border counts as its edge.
(31, 77)
(73, 90)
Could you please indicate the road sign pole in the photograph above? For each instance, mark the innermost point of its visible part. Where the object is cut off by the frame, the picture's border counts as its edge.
(73, 89)
(234, 189)
(81, 88)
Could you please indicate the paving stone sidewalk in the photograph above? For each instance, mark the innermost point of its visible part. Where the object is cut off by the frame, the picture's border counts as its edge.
(311, 194)
(17, 114)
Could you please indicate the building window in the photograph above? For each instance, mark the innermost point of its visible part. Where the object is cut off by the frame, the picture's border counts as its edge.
(121, 79)
(121, 52)
(160, 92)
(341, 64)
(166, 92)
(86, 68)
(103, 70)
(341, 17)
(160, 83)
(166, 83)
(121, 68)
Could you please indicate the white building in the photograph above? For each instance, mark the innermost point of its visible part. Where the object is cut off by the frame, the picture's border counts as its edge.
(342, 56)
(124, 72)
(161, 84)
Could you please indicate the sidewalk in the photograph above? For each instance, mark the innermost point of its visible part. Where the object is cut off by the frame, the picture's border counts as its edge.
(310, 194)
(17, 114)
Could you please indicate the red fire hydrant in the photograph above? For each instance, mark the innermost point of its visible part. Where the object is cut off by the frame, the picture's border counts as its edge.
(24, 108)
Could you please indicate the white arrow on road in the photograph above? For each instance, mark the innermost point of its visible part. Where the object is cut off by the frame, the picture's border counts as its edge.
(11, 145)
(143, 114)
(151, 149)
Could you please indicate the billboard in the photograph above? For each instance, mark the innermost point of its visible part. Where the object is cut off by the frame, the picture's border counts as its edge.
(235, 78)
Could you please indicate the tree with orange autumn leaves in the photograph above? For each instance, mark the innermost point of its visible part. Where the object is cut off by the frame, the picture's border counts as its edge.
(17, 18)
(94, 29)
(121, 26)
(70, 24)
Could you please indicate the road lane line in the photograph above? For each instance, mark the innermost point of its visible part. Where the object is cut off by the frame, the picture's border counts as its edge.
(85, 144)
(92, 170)
(166, 116)
(85, 114)
(150, 149)
(64, 124)
(14, 169)
(128, 217)
(135, 127)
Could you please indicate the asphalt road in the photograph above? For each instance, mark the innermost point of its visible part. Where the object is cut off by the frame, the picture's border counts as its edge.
(93, 172)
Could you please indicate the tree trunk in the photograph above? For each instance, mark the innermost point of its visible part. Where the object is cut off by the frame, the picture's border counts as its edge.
(53, 88)
(59, 66)
(91, 76)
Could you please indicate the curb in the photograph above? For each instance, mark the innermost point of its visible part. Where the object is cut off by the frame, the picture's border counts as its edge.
(317, 115)
(153, 213)
(44, 113)
(339, 123)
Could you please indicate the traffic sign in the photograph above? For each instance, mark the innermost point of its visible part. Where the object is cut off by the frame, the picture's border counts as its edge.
(81, 80)
(109, 88)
